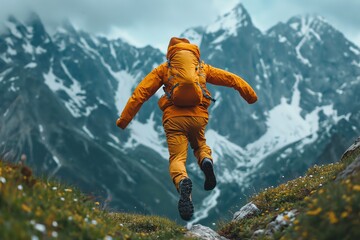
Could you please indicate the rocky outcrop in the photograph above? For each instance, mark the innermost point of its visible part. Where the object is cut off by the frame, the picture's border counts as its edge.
(354, 167)
(352, 148)
(282, 221)
(202, 232)
(248, 210)
(350, 170)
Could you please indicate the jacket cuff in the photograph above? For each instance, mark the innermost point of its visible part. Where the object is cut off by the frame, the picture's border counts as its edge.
(252, 100)
(121, 123)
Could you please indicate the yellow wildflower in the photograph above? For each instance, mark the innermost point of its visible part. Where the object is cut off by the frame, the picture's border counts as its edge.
(332, 217)
(25, 207)
(97, 203)
(68, 190)
(356, 188)
(314, 212)
(344, 214)
(78, 218)
(38, 212)
(346, 198)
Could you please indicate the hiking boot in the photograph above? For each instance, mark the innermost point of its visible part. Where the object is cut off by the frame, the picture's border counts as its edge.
(185, 205)
(208, 169)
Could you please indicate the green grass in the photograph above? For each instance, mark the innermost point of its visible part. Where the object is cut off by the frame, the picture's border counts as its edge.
(31, 207)
(328, 209)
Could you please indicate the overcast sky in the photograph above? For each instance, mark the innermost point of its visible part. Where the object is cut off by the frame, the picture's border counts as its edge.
(143, 22)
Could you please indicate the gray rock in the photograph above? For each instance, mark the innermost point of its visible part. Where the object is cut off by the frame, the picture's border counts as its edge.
(282, 221)
(352, 148)
(350, 170)
(249, 209)
(258, 233)
(202, 232)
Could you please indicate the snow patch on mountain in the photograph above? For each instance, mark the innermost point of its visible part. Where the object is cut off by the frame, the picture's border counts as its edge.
(221, 146)
(146, 134)
(4, 73)
(207, 204)
(13, 29)
(5, 58)
(75, 93)
(304, 60)
(193, 36)
(285, 126)
(126, 83)
(357, 64)
(87, 131)
(58, 165)
(39, 50)
(354, 50)
(28, 48)
(217, 97)
(11, 51)
(305, 28)
(31, 65)
(113, 137)
(282, 39)
(89, 110)
(229, 23)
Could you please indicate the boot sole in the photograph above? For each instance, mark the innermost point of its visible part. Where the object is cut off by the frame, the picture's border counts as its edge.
(210, 179)
(185, 205)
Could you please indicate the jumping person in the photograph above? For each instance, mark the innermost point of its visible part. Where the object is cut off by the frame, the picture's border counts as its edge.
(185, 111)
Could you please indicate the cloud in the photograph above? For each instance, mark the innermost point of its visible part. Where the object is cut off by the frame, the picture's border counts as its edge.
(343, 15)
(143, 22)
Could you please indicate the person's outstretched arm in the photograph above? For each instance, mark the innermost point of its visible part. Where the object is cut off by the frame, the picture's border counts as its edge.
(146, 88)
(221, 77)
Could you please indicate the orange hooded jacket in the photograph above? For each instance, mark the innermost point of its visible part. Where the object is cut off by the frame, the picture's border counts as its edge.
(157, 78)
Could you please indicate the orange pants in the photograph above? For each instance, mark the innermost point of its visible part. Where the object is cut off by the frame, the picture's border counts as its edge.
(179, 132)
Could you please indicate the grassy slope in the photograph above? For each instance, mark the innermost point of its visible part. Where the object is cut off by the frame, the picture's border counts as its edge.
(34, 208)
(327, 209)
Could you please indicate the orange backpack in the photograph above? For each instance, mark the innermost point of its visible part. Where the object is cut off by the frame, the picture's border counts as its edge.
(184, 72)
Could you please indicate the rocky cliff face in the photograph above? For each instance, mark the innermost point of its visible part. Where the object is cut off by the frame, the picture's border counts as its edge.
(61, 94)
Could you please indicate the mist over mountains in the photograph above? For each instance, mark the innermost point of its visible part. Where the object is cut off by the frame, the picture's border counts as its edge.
(61, 94)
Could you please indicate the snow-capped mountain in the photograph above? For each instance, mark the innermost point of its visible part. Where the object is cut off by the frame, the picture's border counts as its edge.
(61, 94)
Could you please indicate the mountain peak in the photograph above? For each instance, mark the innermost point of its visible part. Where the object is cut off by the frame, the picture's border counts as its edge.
(230, 22)
(67, 28)
(301, 23)
(194, 35)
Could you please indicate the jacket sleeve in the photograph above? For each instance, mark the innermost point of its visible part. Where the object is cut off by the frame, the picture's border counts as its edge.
(221, 77)
(146, 88)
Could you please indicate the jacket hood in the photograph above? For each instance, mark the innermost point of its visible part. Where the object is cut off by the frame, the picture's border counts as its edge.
(176, 44)
(176, 40)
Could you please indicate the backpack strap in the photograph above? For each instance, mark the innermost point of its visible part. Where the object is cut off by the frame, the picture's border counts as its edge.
(168, 95)
(207, 96)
